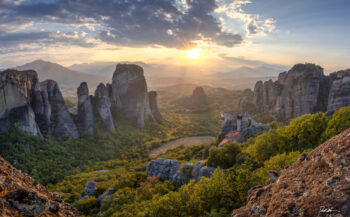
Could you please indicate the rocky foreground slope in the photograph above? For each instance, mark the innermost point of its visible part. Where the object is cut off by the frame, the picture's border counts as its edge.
(20, 196)
(318, 184)
(303, 89)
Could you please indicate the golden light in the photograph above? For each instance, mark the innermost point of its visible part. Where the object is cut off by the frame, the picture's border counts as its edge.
(194, 53)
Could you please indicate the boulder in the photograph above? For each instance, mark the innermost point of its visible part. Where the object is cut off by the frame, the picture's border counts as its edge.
(62, 124)
(183, 174)
(103, 105)
(130, 93)
(206, 172)
(103, 196)
(195, 171)
(90, 188)
(163, 168)
(85, 112)
(153, 102)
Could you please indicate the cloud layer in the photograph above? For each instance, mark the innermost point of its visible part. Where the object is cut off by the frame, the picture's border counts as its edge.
(169, 23)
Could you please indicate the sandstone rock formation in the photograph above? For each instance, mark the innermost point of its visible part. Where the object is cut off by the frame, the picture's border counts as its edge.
(20, 196)
(62, 123)
(245, 104)
(153, 102)
(19, 94)
(339, 95)
(199, 99)
(316, 185)
(35, 107)
(303, 89)
(103, 105)
(129, 90)
(85, 112)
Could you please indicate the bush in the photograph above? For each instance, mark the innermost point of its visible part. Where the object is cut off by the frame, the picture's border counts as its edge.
(224, 157)
(340, 121)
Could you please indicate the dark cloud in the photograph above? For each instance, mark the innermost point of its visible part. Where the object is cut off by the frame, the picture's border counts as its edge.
(132, 23)
(43, 38)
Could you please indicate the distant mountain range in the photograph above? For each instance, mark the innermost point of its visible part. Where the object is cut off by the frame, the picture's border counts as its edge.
(157, 75)
(66, 78)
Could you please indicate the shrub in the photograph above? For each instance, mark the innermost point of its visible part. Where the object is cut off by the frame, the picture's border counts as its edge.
(224, 157)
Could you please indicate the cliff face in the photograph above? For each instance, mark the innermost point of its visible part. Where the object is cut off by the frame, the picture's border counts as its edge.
(20, 196)
(35, 107)
(318, 184)
(85, 112)
(19, 91)
(129, 90)
(61, 122)
(339, 95)
(103, 105)
(303, 89)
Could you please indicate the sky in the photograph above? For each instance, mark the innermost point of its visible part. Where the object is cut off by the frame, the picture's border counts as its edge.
(227, 34)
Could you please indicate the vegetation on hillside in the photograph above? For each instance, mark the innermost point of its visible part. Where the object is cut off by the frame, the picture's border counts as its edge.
(240, 167)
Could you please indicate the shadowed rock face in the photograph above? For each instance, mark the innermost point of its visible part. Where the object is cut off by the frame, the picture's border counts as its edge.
(339, 95)
(153, 102)
(19, 94)
(199, 99)
(303, 89)
(316, 185)
(85, 112)
(129, 90)
(103, 105)
(21, 196)
(62, 124)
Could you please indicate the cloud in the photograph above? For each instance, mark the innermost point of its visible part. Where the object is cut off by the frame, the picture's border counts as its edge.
(44, 38)
(254, 24)
(169, 23)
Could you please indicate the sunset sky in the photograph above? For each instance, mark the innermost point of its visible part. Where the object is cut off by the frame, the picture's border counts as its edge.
(224, 33)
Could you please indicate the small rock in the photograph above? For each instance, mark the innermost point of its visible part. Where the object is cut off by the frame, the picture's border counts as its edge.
(273, 175)
(90, 188)
(333, 181)
(54, 208)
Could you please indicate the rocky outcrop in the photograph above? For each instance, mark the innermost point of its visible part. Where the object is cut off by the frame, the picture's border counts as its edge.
(61, 122)
(130, 93)
(20, 196)
(103, 196)
(103, 105)
(316, 185)
(303, 89)
(339, 95)
(199, 99)
(153, 102)
(163, 168)
(167, 169)
(20, 99)
(85, 112)
(246, 102)
(90, 188)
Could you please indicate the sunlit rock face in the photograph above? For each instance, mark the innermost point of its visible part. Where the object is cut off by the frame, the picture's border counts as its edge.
(129, 90)
(19, 94)
(103, 105)
(61, 124)
(85, 112)
(339, 95)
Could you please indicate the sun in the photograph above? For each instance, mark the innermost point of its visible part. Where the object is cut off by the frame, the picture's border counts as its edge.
(193, 53)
